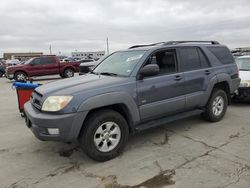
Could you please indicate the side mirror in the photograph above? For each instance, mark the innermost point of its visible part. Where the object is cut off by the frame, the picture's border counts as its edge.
(150, 70)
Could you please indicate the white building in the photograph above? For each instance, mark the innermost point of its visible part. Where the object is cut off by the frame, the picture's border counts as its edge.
(88, 55)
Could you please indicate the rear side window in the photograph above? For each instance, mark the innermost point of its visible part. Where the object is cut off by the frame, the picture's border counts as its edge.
(222, 54)
(47, 60)
(192, 58)
(189, 59)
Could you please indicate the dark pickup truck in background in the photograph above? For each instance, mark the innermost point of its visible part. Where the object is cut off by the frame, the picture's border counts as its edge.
(41, 66)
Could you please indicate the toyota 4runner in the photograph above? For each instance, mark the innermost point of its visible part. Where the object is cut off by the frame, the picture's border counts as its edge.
(133, 90)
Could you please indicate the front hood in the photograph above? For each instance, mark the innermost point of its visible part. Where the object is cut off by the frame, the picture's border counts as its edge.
(12, 67)
(71, 86)
(18, 65)
(244, 75)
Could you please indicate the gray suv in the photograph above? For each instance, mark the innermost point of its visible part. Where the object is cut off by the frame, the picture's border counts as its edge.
(132, 90)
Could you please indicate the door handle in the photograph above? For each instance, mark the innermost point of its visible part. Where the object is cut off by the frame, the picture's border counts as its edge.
(207, 72)
(178, 77)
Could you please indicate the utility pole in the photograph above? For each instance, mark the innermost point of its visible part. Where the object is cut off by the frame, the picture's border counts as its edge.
(107, 46)
(50, 51)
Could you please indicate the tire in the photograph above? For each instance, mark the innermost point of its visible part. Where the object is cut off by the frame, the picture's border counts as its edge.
(68, 73)
(216, 107)
(62, 76)
(20, 76)
(94, 144)
(1, 74)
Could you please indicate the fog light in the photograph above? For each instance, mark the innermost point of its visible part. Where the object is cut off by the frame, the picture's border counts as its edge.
(53, 131)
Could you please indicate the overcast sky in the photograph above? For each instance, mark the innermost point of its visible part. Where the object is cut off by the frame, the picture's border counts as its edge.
(83, 25)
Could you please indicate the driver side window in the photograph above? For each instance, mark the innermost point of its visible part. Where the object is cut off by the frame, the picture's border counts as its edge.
(36, 61)
(166, 60)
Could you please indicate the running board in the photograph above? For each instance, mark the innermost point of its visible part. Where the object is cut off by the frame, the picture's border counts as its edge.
(162, 121)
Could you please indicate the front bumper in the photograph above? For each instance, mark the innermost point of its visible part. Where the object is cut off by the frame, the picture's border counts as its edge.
(69, 125)
(243, 93)
(9, 76)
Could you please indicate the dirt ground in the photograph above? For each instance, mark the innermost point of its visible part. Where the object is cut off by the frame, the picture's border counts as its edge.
(187, 153)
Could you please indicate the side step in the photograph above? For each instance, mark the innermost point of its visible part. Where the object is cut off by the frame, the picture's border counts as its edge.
(168, 119)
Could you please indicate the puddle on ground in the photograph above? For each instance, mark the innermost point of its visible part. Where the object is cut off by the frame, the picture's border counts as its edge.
(158, 181)
(164, 141)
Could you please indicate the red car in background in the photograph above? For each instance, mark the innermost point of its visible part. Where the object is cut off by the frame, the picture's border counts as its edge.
(41, 66)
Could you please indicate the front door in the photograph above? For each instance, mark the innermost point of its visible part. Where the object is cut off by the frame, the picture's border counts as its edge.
(163, 94)
(34, 67)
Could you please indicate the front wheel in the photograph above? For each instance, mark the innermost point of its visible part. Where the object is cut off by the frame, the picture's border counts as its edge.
(104, 135)
(20, 76)
(68, 73)
(216, 107)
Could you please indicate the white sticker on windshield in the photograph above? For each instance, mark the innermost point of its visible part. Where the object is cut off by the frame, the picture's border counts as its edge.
(134, 58)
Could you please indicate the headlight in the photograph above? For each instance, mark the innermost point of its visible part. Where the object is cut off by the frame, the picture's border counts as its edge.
(56, 103)
(245, 84)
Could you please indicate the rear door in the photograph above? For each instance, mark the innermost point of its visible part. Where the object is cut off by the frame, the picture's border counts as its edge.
(197, 72)
(49, 66)
(162, 94)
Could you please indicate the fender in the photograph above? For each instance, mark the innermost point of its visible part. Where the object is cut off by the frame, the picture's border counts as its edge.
(209, 89)
(216, 79)
(225, 77)
(107, 99)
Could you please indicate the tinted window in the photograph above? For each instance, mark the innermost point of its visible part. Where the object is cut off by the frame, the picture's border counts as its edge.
(222, 54)
(190, 59)
(47, 60)
(166, 61)
(203, 59)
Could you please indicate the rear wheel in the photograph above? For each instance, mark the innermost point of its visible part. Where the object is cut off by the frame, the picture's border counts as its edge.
(105, 135)
(68, 73)
(20, 76)
(217, 106)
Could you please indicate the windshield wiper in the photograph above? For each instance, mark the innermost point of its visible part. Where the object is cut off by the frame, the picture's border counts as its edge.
(92, 72)
(244, 69)
(108, 73)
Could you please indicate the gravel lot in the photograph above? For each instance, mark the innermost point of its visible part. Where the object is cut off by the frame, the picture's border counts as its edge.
(187, 153)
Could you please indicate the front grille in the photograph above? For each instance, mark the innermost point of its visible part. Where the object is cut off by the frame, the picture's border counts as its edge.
(36, 100)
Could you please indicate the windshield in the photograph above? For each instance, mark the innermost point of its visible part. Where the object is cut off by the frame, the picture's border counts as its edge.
(28, 62)
(119, 63)
(243, 63)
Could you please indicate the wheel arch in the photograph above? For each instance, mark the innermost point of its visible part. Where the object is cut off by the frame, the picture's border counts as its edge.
(120, 108)
(25, 72)
(119, 102)
(68, 67)
(224, 85)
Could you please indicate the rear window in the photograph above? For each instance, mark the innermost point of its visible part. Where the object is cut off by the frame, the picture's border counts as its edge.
(222, 54)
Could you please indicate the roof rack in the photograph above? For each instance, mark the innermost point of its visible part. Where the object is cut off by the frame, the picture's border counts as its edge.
(174, 43)
(190, 41)
(145, 45)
